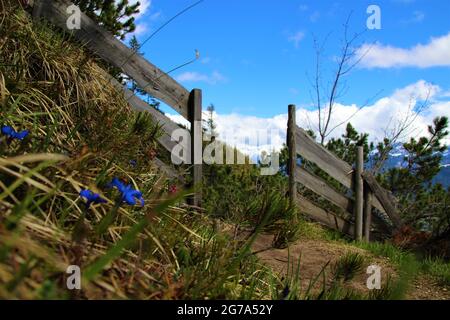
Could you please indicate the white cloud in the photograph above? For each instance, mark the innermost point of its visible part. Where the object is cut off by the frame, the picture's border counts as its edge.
(250, 134)
(417, 17)
(296, 38)
(141, 28)
(445, 94)
(374, 119)
(214, 78)
(436, 53)
(387, 112)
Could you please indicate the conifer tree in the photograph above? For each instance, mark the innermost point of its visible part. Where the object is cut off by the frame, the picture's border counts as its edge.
(345, 147)
(210, 123)
(421, 162)
(135, 46)
(116, 16)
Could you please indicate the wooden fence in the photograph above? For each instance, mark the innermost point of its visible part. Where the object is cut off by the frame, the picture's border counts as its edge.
(146, 75)
(363, 192)
(366, 191)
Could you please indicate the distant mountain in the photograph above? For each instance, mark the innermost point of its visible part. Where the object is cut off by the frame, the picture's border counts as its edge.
(396, 159)
(444, 175)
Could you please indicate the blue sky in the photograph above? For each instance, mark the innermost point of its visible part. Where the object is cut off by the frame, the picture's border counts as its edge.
(256, 55)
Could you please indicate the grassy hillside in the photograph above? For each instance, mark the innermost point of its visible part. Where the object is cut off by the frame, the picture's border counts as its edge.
(82, 134)
(137, 238)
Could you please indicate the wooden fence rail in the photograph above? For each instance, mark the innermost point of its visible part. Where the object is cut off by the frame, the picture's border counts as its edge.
(325, 217)
(367, 193)
(328, 162)
(147, 76)
(383, 197)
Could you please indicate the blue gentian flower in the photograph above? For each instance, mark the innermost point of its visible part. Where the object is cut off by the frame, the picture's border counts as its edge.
(13, 134)
(91, 197)
(129, 195)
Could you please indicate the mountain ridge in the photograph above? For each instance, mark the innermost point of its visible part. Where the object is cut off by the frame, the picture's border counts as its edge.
(397, 155)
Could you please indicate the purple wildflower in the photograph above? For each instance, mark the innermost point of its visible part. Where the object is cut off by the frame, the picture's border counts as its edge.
(13, 134)
(129, 194)
(91, 197)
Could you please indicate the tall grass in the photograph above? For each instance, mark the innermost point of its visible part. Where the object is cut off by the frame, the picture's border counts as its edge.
(409, 266)
(437, 268)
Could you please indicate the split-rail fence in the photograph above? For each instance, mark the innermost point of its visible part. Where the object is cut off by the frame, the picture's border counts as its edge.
(362, 193)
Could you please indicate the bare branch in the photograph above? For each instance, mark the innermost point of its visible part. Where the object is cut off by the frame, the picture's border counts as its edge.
(401, 129)
(368, 101)
(348, 59)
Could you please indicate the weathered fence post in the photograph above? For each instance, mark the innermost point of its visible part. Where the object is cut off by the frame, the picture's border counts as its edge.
(384, 198)
(368, 197)
(292, 154)
(195, 118)
(359, 193)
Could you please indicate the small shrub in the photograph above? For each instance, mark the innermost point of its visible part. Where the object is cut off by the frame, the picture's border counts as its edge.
(347, 267)
(385, 293)
(290, 229)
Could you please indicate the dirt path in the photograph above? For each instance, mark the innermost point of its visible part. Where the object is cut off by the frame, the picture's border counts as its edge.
(426, 288)
(315, 254)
